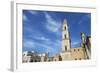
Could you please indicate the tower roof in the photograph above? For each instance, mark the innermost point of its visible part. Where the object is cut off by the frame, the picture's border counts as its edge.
(65, 21)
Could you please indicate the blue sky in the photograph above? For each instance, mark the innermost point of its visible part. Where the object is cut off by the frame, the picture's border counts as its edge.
(42, 30)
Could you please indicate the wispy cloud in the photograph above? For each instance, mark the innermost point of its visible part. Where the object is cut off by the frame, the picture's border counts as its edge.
(42, 38)
(46, 42)
(38, 36)
(42, 41)
(75, 44)
(51, 24)
(42, 30)
(84, 19)
(33, 12)
(25, 18)
(28, 44)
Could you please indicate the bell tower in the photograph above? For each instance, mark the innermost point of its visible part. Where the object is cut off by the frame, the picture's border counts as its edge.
(66, 49)
(65, 37)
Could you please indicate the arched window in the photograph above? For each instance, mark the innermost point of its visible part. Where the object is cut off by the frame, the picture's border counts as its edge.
(60, 59)
(78, 49)
(65, 48)
(75, 58)
(65, 28)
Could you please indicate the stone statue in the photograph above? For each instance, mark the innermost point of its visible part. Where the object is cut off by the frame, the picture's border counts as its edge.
(83, 38)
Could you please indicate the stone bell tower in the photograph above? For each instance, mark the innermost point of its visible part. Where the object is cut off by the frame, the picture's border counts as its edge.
(66, 49)
(65, 37)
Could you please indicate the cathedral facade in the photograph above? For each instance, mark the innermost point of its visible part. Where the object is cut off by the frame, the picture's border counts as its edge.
(80, 53)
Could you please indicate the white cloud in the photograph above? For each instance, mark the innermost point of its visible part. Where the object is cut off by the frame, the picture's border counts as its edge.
(43, 45)
(46, 44)
(75, 43)
(52, 24)
(25, 17)
(40, 37)
(29, 44)
(33, 12)
(44, 39)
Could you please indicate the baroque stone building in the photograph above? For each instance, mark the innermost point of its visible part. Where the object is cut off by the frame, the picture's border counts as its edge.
(68, 53)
